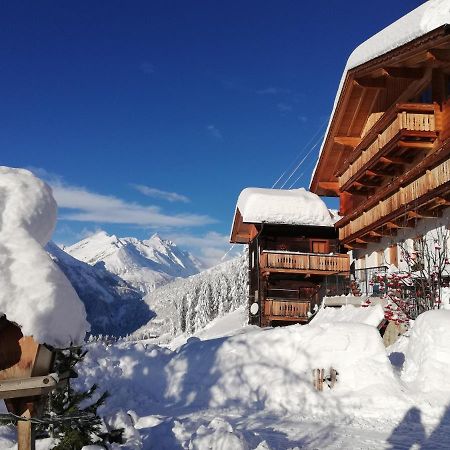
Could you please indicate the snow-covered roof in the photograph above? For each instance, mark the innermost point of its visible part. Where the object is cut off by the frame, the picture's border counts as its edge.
(422, 20)
(279, 206)
(34, 293)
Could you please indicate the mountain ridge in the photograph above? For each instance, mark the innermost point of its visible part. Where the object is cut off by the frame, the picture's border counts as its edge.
(144, 264)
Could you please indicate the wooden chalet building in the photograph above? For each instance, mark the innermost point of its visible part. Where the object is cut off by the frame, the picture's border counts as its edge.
(386, 153)
(293, 247)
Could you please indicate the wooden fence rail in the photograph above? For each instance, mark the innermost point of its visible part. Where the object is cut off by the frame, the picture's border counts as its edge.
(305, 262)
(432, 179)
(403, 120)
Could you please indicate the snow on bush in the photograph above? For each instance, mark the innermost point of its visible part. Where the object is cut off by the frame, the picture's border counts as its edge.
(34, 293)
(427, 357)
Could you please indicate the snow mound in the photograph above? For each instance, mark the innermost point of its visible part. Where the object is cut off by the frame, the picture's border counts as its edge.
(428, 354)
(258, 370)
(272, 369)
(216, 435)
(279, 206)
(370, 315)
(34, 292)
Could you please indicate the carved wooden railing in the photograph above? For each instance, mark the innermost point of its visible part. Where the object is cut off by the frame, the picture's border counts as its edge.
(305, 261)
(410, 117)
(431, 180)
(287, 309)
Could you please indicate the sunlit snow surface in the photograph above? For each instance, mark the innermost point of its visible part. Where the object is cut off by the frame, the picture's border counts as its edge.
(34, 293)
(282, 206)
(241, 387)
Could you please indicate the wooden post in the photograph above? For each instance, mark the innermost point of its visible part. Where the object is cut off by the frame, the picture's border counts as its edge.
(333, 377)
(318, 379)
(25, 433)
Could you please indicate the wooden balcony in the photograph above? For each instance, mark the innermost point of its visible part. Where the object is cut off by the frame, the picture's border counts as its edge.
(422, 198)
(393, 140)
(307, 263)
(287, 310)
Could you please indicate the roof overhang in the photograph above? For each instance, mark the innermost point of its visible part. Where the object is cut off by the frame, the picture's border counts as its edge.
(241, 232)
(360, 89)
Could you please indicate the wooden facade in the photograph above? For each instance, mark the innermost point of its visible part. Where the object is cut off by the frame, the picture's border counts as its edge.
(287, 268)
(387, 151)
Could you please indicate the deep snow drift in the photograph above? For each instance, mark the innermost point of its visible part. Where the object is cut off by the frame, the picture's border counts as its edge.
(242, 387)
(252, 388)
(34, 292)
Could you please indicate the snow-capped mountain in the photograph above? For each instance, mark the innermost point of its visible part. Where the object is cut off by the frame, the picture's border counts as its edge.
(145, 265)
(187, 305)
(113, 307)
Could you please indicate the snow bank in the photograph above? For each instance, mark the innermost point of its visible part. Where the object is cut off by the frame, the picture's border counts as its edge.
(260, 369)
(427, 357)
(370, 315)
(290, 207)
(34, 293)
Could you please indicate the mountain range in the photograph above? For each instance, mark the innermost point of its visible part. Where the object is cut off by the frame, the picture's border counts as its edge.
(112, 275)
(143, 264)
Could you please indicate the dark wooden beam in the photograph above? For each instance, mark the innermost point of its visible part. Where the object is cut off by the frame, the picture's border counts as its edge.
(404, 72)
(418, 215)
(419, 145)
(365, 184)
(393, 160)
(348, 140)
(439, 54)
(439, 202)
(329, 186)
(395, 226)
(355, 245)
(366, 239)
(371, 83)
(378, 173)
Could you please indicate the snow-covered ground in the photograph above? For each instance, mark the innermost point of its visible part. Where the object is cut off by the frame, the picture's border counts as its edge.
(232, 386)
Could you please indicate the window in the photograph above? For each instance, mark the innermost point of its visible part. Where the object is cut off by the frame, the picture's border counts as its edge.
(319, 246)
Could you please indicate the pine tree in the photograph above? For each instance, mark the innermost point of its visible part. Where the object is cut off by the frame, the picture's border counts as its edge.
(84, 425)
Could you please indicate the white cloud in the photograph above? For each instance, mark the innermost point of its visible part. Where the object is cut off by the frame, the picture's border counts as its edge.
(214, 132)
(147, 68)
(89, 206)
(284, 107)
(158, 193)
(210, 248)
(273, 90)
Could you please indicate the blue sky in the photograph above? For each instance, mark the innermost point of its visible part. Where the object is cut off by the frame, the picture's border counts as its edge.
(152, 116)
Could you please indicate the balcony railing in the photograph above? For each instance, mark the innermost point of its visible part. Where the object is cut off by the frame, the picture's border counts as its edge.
(415, 120)
(399, 201)
(286, 309)
(304, 262)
